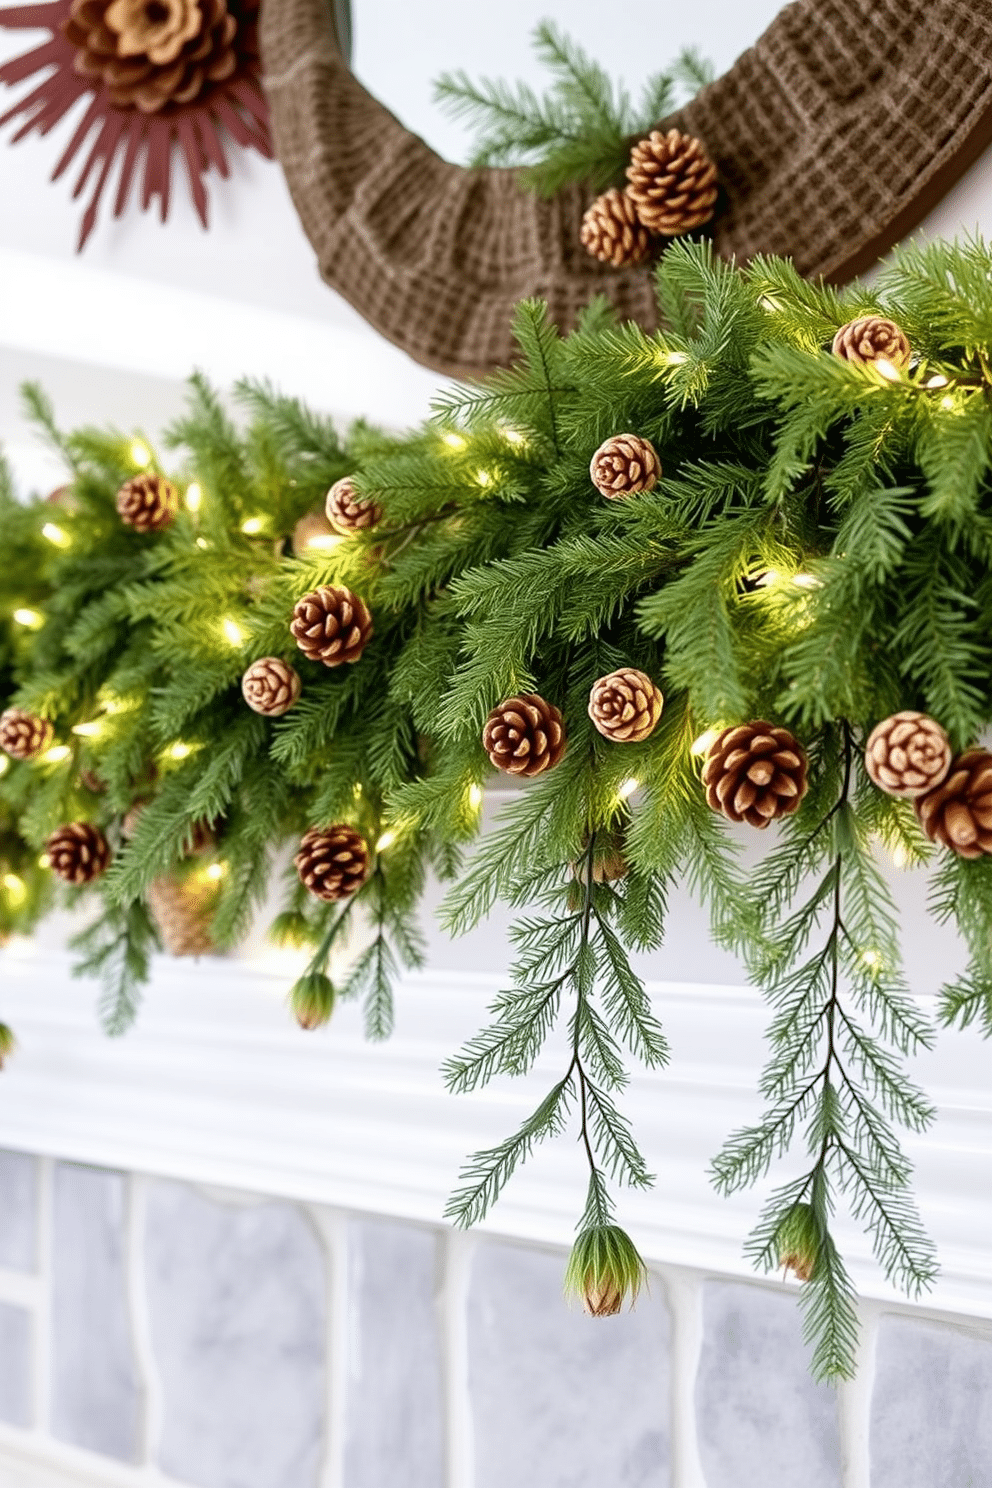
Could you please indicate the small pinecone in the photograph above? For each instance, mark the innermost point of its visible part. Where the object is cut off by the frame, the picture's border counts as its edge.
(348, 512)
(625, 706)
(333, 862)
(148, 503)
(866, 340)
(78, 852)
(613, 233)
(153, 56)
(331, 625)
(958, 812)
(524, 735)
(183, 909)
(23, 736)
(624, 465)
(271, 686)
(672, 182)
(755, 772)
(908, 754)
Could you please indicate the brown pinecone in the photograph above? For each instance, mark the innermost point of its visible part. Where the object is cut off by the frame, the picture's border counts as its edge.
(331, 625)
(348, 512)
(612, 232)
(153, 54)
(23, 736)
(672, 182)
(78, 852)
(333, 862)
(183, 911)
(524, 735)
(755, 772)
(958, 812)
(148, 503)
(271, 686)
(908, 754)
(866, 340)
(624, 465)
(625, 706)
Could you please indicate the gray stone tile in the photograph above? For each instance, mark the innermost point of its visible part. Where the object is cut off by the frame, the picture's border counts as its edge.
(562, 1400)
(15, 1365)
(96, 1393)
(395, 1413)
(761, 1421)
(931, 1425)
(237, 1306)
(18, 1210)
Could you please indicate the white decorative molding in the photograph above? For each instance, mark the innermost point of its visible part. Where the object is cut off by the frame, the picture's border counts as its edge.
(216, 1085)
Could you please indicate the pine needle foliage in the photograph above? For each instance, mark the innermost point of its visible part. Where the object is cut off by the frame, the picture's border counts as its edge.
(581, 129)
(816, 552)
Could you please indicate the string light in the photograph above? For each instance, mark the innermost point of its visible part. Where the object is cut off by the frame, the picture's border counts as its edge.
(179, 751)
(252, 525)
(483, 477)
(703, 744)
(44, 861)
(30, 619)
(140, 454)
(513, 436)
(673, 358)
(56, 535)
(887, 369)
(475, 796)
(807, 581)
(900, 857)
(455, 442)
(947, 402)
(56, 754)
(16, 888)
(767, 303)
(768, 578)
(324, 541)
(194, 496)
(873, 960)
(628, 788)
(233, 632)
(201, 542)
(88, 730)
(4, 764)
(938, 380)
(216, 872)
(386, 840)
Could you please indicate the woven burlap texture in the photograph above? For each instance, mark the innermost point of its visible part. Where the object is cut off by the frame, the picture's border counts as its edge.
(832, 136)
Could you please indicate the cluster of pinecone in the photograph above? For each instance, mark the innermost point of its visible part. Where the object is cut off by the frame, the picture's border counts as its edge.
(909, 755)
(671, 189)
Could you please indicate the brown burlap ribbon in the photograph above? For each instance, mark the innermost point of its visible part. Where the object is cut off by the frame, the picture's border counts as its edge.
(833, 136)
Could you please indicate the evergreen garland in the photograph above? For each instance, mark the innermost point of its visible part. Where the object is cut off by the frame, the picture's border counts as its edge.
(816, 552)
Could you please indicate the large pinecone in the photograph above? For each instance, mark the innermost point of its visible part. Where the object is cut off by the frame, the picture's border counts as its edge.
(332, 625)
(612, 231)
(908, 754)
(148, 503)
(22, 735)
(183, 910)
(78, 852)
(348, 512)
(271, 686)
(524, 735)
(755, 772)
(153, 54)
(333, 862)
(624, 465)
(625, 706)
(872, 338)
(672, 182)
(958, 812)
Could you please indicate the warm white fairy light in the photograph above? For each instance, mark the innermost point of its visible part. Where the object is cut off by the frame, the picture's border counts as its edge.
(887, 369)
(475, 796)
(56, 535)
(627, 789)
(948, 403)
(938, 380)
(873, 960)
(513, 436)
(455, 442)
(900, 856)
(15, 887)
(704, 742)
(768, 578)
(673, 358)
(4, 764)
(88, 730)
(194, 496)
(44, 861)
(252, 525)
(807, 581)
(386, 840)
(179, 750)
(483, 477)
(140, 454)
(30, 619)
(215, 872)
(56, 754)
(324, 542)
(201, 542)
(233, 632)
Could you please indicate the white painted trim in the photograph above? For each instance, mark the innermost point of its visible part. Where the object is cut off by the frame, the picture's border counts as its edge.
(216, 1085)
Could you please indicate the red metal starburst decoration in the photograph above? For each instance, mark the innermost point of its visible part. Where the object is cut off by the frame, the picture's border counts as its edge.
(164, 75)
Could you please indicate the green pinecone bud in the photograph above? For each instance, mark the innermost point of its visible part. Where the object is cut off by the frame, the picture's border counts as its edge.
(604, 1269)
(312, 999)
(291, 929)
(798, 1240)
(8, 1043)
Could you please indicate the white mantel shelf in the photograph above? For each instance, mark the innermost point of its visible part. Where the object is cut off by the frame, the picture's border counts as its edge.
(216, 1085)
